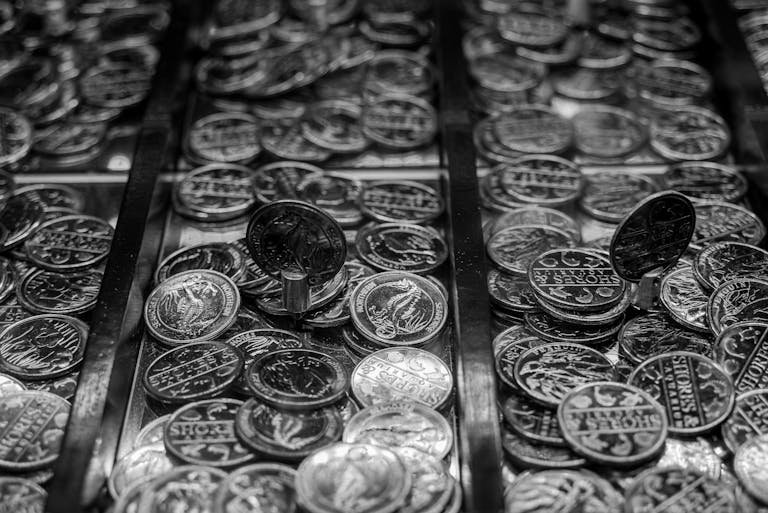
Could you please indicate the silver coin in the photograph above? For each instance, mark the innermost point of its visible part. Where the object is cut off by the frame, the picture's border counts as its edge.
(400, 122)
(335, 125)
(586, 84)
(506, 73)
(514, 248)
(338, 195)
(706, 181)
(684, 300)
(401, 201)
(563, 53)
(401, 247)
(654, 333)
(285, 141)
(541, 179)
(603, 318)
(280, 180)
(216, 256)
(53, 196)
(216, 192)
(69, 243)
(608, 132)
(511, 292)
(719, 222)
(750, 463)
(258, 487)
(726, 261)
(67, 139)
(19, 217)
(683, 488)
(399, 72)
(530, 27)
(689, 133)
(533, 129)
(115, 85)
(152, 433)
(10, 385)
(748, 419)
(672, 82)
(542, 491)
(337, 312)
(184, 488)
(739, 300)
(609, 196)
(551, 329)
(16, 139)
(22, 495)
(138, 466)
(225, 137)
(531, 420)
(537, 216)
(603, 53)
(740, 349)
(530, 455)
(432, 485)
(50, 292)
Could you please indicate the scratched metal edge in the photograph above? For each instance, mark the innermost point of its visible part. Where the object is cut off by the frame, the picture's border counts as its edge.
(479, 435)
(113, 319)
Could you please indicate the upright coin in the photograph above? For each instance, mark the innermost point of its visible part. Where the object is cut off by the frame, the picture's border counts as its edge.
(514, 248)
(258, 487)
(678, 488)
(533, 129)
(748, 419)
(400, 122)
(741, 349)
(336, 194)
(725, 222)
(258, 342)
(184, 488)
(655, 333)
(34, 425)
(52, 292)
(16, 139)
(689, 133)
(531, 420)
(538, 492)
(192, 306)
(203, 433)
(684, 300)
(216, 192)
(608, 132)
(227, 137)
(22, 495)
(609, 196)
(215, 256)
(740, 300)
(401, 247)
(407, 202)
(542, 180)
(697, 394)
(69, 243)
(653, 235)
(726, 261)
(706, 181)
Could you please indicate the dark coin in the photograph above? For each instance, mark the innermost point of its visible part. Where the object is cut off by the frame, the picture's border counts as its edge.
(401, 247)
(216, 192)
(258, 487)
(608, 132)
(203, 433)
(725, 222)
(741, 350)
(51, 292)
(527, 454)
(514, 248)
(297, 379)
(69, 243)
(609, 196)
(706, 181)
(681, 488)
(726, 261)
(748, 420)
(258, 342)
(542, 180)
(407, 202)
(547, 373)
(550, 329)
(532, 421)
(34, 425)
(19, 216)
(696, 393)
(287, 435)
(684, 300)
(654, 334)
(217, 256)
(655, 234)
(740, 300)
(337, 195)
(511, 292)
(22, 495)
(115, 85)
(192, 372)
(544, 491)
(185, 488)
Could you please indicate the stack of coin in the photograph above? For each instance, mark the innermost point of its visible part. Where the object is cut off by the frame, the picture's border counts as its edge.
(753, 25)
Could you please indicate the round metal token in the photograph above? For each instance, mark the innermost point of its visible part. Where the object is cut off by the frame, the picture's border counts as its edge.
(287, 435)
(216, 192)
(53, 196)
(68, 139)
(46, 292)
(514, 248)
(153, 433)
(381, 480)
(531, 27)
(9, 385)
(7, 279)
(432, 485)
(608, 132)
(335, 194)
(22, 495)
(216, 256)
(684, 300)
(532, 421)
(401, 247)
(751, 466)
(654, 234)
(550, 489)
(418, 427)
(337, 312)
(335, 125)
(185, 488)
(398, 308)
(609, 196)
(722, 222)
(550, 329)
(537, 216)
(511, 291)
(741, 350)
(34, 425)
(227, 137)
(115, 85)
(69, 243)
(740, 300)
(541, 179)
(697, 394)
(258, 487)
(748, 419)
(399, 72)
(297, 379)
(652, 334)
(548, 372)
(403, 201)
(16, 139)
(193, 371)
(284, 140)
(706, 181)
(689, 133)
(527, 454)
(203, 433)
(19, 216)
(400, 122)
(192, 306)
(138, 466)
(677, 488)
(533, 129)
(255, 343)
(725, 261)
(672, 82)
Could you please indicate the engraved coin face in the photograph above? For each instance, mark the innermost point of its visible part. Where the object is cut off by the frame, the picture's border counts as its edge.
(672, 82)
(550, 329)
(255, 343)
(63, 386)
(270, 300)
(513, 249)
(286, 141)
(547, 373)
(613, 424)
(653, 235)
(401, 247)
(527, 454)
(21, 494)
(291, 235)
(505, 73)
(742, 351)
(297, 379)
(549, 489)
(725, 261)
(216, 256)
(53, 196)
(46, 292)
(400, 121)
(609, 196)
(538, 216)
(258, 487)
(41, 418)
(138, 466)
(406, 202)
(335, 125)
(608, 132)
(421, 377)
(706, 181)
(184, 488)
(725, 222)
(285, 434)
(751, 466)
(575, 279)
(66, 138)
(335, 194)
(533, 129)
(193, 371)
(7, 279)
(337, 312)
(216, 192)
(231, 137)
(69, 243)
(281, 180)
(739, 300)
(655, 333)
(541, 179)
(431, 483)
(418, 427)
(697, 394)
(531, 28)
(398, 308)
(511, 291)
(684, 300)
(531, 420)
(16, 138)
(684, 489)
(115, 85)
(381, 480)
(19, 216)
(192, 306)
(689, 133)
(748, 419)
(41, 347)
(586, 84)
(399, 72)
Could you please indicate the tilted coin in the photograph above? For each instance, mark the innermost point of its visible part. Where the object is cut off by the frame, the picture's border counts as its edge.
(215, 256)
(514, 248)
(216, 192)
(69, 243)
(19, 216)
(608, 132)
(227, 137)
(399, 121)
(550, 329)
(506, 73)
(337, 312)
(396, 374)
(16, 139)
(669, 35)
(684, 300)
(34, 425)
(153, 433)
(725, 261)
(672, 82)
(533, 129)
(741, 350)
(511, 291)
(270, 300)
(258, 487)
(531, 420)
(696, 393)
(564, 52)
(431, 483)
(52, 292)
(542, 179)
(678, 488)
(43, 346)
(547, 373)
(699, 454)
(193, 371)
(653, 235)
(725, 222)
(335, 194)
(401, 424)
(398, 308)
(488, 145)
(138, 466)
(739, 300)
(184, 488)
(10, 385)
(706, 181)
(401, 247)
(509, 345)
(335, 125)
(609, 196)
(537, 216)
(575, 279)
(654, 333)
(751, 466)
(530, 455)
(543, 491)
(748, 419)
(297, 379)
(52, 196)
(22, 495)
(689, 133)
(192, 306)
(285, 141)
(255, 343)
(287, 435)
(115, 85)
(203, 433)
(402, 201)
(613, 424)
(381, 480)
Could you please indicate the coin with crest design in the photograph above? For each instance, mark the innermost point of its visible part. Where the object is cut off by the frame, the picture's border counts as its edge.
(541, 179)
(46, 292)
(431, 483)
(280, 180)
(741, 350)
(284, 140)
(336, 194)
(609, 196)
(514, 248)
(115, 85)
(258, 487)
(399, 121)
(726, 261)
(725, 222)
(534, 129)
(608, 132)
(689, 133)
(216, 192)
(228, 137)
(401, 247)
(551, 329)
(531, 420)
(748, 419)
(738, 300)
(655, 333)
(706, 181)
(401, 202)
(221, 257)
(527, 454)
(684, 489)
(69, 243)
(549, 489)
(684, 300)
(257, 342)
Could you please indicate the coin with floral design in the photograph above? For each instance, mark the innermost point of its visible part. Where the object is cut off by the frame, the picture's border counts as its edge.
(725, 261)
(401, 247)
(685, 489)
(739, 300)
(22, 495)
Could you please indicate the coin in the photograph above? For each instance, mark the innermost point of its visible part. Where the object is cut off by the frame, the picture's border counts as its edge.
(115, 85)
(285, 141)
(254, 343)
(335, 125)
(419, 376)
(398, 308)
(217, 256)
(684, 300)
(527, 454)
(271, 299)
(543, 491)
(401, 424)
(725, 222)
(750, 464)
(510, 344)
(684, 489)
(335, 194)
(399, 122)
(229, 137)
(381, 480)
(605, 318)
(736, 301)
(609, 196)
(10, 385)
(337, 312)
(22, 495)
(192, 306)
(69, 243)
(741, 351)
(654, 334)
(532, 421)
(399, 72)
(696, 393)
(654, 234)
(513, 249)
(138, 466)
(49, 292)
(216, 192)
(550, 329)
(608, 132)
(432, 485)
(537, 216)
(401, 247)
(258, 487)
(19, 216)
(401, 201)
(726, 261)
(53, 196)
(533, 129)
(706, 181)
(531, 27)
(34, 427)
(748, 419)
(586, 84)
(287, 435)
(16, 140)
(689, 133)
(511, 292)
(152, 434)
(184, 488)
(541, 179)
(603, 53)
(672, 82)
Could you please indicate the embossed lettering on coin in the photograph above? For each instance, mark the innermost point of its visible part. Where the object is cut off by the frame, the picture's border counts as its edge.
(69, 243)
(407, 202)
(258, 487)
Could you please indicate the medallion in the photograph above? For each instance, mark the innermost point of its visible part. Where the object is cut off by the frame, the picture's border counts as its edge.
(726, 261)
(284, 140)
(69, 243)
(531, 27)
(49, 292)
(216, 256)
(22, 495)
(401, 247)
(672, 82)
(531, 420)
(533, 129)
(68, 139)
(550, 329)
(399, 72)
(537, 216)
(431, 483)
(258, 487)
(138, 466)
(335, 125)
(255, 343)
(152, 434)
(115, 85)
(399, 122)
(748, 419)
(184, 488)
(336, 194)
(53, 196)
(684, 300)
(225, 137)
(655, 333)
(725, 222)
(741, 350)
(527, 454)
(542, 180)
(10, 385)
(751, 466)
(539, 492)
(511, 292)
(740, 300)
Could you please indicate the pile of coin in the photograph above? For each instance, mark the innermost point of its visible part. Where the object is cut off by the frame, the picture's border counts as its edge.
(753, 28)
(67, 72)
